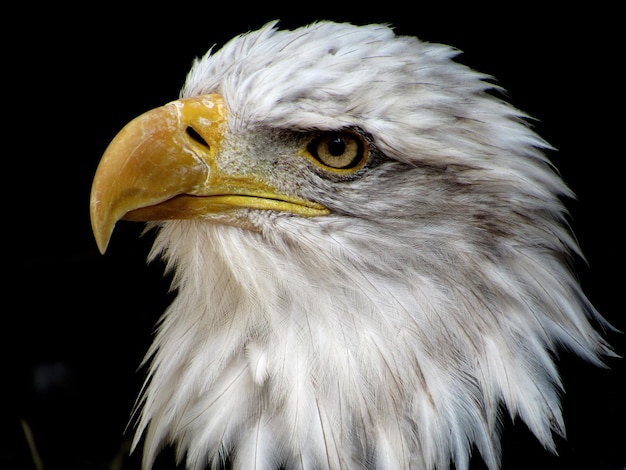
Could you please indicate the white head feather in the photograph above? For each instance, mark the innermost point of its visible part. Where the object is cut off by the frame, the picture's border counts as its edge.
(393, 332)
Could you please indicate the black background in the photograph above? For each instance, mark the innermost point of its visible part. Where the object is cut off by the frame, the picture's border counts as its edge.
(76, 324)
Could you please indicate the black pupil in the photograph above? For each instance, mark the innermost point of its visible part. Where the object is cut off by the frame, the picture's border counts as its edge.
(336, 146)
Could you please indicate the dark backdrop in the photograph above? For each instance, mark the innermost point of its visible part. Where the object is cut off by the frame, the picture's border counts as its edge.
(76, 324)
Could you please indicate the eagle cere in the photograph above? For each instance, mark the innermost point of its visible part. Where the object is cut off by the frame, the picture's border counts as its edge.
(370, 252)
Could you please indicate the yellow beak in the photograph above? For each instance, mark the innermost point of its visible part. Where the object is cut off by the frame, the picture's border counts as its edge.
(165, 165)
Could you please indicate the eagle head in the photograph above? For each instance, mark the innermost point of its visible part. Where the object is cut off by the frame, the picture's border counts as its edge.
(370, 253)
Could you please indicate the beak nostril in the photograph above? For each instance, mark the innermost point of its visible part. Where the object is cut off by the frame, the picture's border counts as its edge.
(197, 137)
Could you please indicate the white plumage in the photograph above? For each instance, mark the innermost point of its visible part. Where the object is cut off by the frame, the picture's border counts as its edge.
(395, 329)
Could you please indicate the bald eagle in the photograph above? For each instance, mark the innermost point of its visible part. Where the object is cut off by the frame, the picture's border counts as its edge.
(370, 254)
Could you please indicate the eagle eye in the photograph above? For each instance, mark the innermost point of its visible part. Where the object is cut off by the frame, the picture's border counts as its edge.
(338, 150)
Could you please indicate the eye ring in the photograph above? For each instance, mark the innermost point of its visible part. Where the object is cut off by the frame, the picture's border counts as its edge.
(340, 150)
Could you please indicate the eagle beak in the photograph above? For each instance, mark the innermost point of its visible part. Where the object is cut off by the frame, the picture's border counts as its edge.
(165, 165)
